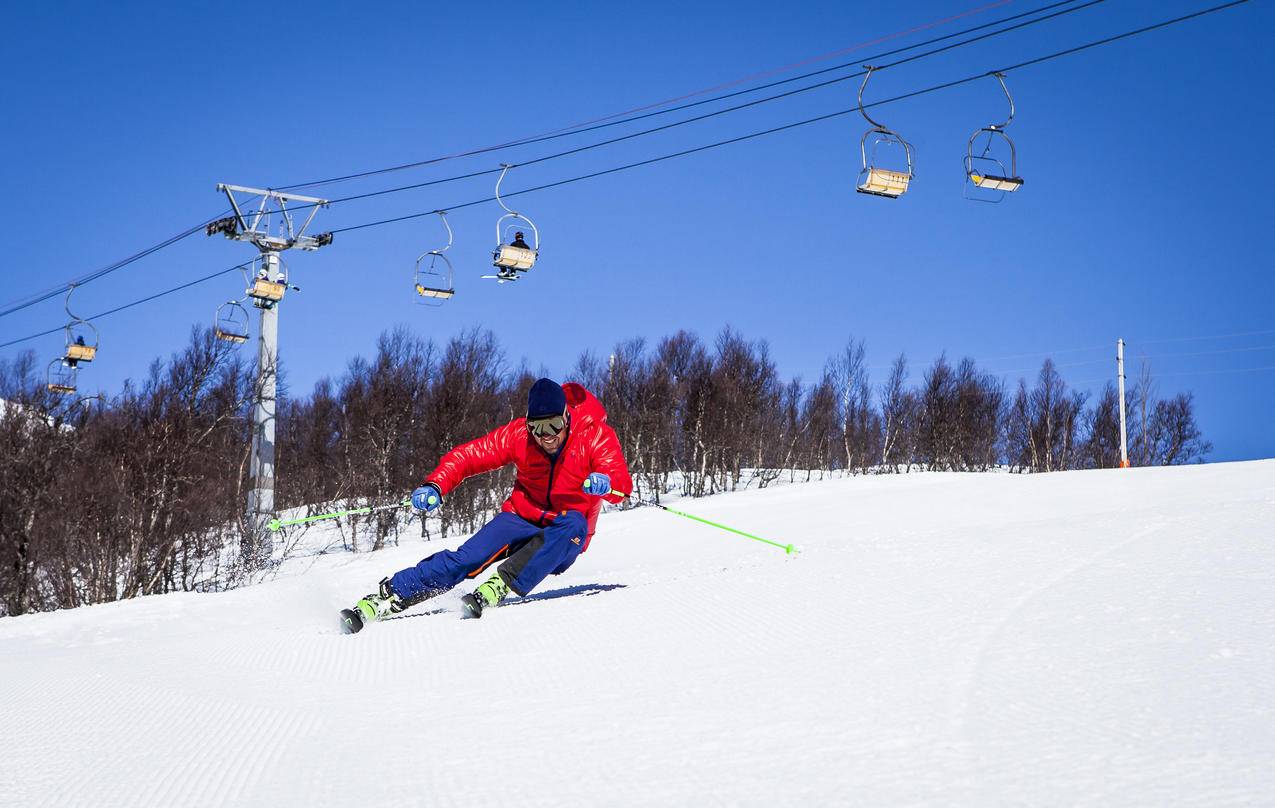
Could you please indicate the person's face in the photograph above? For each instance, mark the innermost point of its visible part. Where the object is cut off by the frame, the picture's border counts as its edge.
(549, 441)
(552, 442)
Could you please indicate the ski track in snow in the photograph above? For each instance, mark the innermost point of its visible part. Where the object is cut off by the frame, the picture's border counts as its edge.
(1086, 638)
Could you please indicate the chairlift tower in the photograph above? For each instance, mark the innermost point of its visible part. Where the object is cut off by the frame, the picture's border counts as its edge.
(266, 291)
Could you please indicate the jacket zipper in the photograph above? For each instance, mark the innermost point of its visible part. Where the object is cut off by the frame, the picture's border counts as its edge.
(553, 466)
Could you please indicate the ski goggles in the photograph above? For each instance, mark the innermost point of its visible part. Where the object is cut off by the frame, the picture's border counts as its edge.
(546, 427)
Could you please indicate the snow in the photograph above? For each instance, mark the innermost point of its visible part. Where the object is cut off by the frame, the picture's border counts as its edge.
(1084, 638)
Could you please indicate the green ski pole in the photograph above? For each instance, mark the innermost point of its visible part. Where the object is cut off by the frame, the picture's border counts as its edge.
(275, 524)
(787, 548)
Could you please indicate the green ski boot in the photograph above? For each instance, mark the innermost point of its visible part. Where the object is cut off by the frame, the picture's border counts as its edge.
(489, 593)
(371, 608)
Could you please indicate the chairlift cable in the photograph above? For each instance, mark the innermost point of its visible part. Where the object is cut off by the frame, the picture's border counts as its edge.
(40, 297)
(605, 121)
(147, 299)
(705, 116)
(23, 303)
(935, 88)
(807, 121)
(695, 119)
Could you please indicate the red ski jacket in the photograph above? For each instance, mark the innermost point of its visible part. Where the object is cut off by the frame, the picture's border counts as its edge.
(546, 486)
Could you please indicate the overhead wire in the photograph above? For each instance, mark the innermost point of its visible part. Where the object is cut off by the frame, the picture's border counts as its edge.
(1139, 356)
(23, 303)
(696, 119)
(1214, 372)
(1056, 365)
(1043, 353)
(807, 121)
(146, 299)
(1135, 342)
(1046, 354)
(92, 276)
(1208, 353)
(1172, 374)
(773, 130)
(705, 116)
(594, 125)
(1210, 336)
(1204, 372)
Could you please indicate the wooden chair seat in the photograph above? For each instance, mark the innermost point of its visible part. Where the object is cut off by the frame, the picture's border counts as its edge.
(426, 291)
(994, 183)
(267, 290)
(81, 353)
(230, 336)
(884, 182)
(511, 257)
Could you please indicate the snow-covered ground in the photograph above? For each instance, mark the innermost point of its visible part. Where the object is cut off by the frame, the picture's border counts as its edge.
(1088, 638)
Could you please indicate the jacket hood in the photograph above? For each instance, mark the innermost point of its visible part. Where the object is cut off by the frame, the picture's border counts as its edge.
(585, 408)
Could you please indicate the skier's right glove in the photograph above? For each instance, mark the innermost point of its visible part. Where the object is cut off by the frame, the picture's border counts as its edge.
(597, 484)
(427, 498)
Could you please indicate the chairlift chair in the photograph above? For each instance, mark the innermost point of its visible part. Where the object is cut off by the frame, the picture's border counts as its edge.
(985, 170)
(873, 178)
(60, 378)
(231, 322)
(79, 349)
(264, 291)
(81, 336)
(267, 291)
(435, 281)
(508, 258)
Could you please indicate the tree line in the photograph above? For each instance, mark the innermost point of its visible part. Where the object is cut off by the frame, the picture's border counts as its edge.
(140, 493)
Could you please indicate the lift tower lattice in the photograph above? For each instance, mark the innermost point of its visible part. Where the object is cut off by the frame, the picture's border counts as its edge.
(266, 290)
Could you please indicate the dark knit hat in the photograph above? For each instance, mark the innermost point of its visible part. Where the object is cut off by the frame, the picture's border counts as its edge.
(546, 398)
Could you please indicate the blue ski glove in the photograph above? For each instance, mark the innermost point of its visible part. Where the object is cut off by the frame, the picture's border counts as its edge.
(598, 484)
(427, 498)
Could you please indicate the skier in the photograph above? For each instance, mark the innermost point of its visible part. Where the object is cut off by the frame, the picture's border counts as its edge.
(568, 460)
(70, 360)
(519, 242)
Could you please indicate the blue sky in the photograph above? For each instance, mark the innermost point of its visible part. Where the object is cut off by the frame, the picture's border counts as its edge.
(1144, 215)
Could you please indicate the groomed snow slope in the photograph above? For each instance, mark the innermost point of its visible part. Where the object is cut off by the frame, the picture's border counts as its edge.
(1087, 638)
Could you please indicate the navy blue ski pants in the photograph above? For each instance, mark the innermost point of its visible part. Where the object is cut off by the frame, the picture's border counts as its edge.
(530, 552)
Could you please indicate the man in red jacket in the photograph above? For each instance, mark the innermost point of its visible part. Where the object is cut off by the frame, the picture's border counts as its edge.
(568, 461)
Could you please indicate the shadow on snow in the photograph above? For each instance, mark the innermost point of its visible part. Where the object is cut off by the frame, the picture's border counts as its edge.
(583, 590)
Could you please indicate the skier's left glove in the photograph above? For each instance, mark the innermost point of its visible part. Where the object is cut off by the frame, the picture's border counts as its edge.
(427, 498)
(597, 484)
